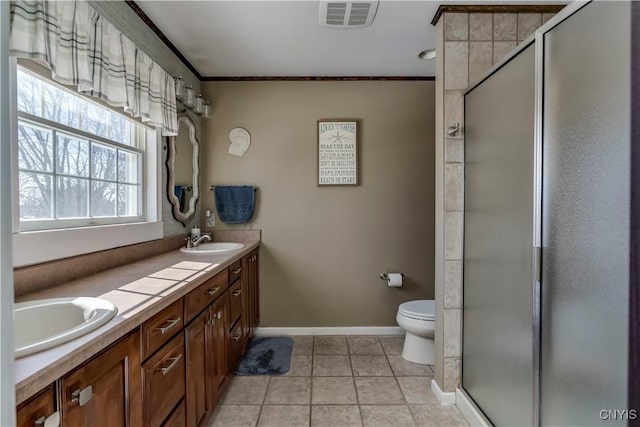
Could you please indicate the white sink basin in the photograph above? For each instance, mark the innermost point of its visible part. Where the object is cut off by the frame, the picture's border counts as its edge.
(213, 248)
(43, 324)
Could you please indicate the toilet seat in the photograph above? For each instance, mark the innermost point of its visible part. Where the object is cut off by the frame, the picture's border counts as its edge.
(418, 310)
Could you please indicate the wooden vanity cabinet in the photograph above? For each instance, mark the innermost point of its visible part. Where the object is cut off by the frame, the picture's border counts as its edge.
(170, 371)
(34, 411)
(106, 390)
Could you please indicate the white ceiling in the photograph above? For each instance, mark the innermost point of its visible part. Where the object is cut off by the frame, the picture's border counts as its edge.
(284, 38)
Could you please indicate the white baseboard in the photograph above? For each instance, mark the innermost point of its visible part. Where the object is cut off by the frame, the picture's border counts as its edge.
(470, 411)
(445, 398)
(338, 330)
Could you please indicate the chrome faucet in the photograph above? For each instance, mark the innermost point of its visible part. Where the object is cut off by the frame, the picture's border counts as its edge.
(199, 240)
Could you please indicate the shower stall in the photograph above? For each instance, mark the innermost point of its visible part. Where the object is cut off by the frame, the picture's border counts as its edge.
(547, 225)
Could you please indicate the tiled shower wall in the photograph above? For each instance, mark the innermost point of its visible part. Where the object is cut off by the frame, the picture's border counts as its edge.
(468, 45)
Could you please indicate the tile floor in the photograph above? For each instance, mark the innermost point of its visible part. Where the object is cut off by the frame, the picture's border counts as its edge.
(338, 382)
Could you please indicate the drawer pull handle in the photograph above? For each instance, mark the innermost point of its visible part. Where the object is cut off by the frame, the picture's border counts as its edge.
(174, 362)
(236, 270)
(237, 336)
(52, 420)
(219, 314)
(213, 290)
(236, 293)
(82, 397)
(171, 323)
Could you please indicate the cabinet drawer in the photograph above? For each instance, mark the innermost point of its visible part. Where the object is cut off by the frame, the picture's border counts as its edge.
(38, 408)
(177, 417)
(196, 300)
(161, 327)
(235, 346)
(235, 270)
(235, 303)
(163, 379)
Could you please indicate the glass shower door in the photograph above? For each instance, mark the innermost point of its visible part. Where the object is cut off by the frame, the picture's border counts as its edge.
(497, 351)
(585, 216)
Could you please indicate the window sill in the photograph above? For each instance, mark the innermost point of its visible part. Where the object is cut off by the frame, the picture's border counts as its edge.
(41, 246)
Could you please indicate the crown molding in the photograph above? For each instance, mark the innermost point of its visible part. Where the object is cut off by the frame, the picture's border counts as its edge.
(495, 8)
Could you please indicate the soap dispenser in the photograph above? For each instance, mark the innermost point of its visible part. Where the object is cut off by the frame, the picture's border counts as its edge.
(195, 233)
(210, 218)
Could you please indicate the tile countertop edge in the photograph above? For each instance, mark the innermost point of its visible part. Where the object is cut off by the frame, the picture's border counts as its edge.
(53, 364)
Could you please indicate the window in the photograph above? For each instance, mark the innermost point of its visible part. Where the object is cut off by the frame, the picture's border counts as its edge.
(79, 163)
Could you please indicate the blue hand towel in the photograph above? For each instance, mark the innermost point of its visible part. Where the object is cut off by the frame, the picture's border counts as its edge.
(179, 191)
(234, 203)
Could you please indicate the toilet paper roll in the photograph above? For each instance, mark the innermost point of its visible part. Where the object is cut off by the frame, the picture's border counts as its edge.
(395, 280)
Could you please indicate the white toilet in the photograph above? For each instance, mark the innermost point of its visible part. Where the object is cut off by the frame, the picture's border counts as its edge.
(418, 319)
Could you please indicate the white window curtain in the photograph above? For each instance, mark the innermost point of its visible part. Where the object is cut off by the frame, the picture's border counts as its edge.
(83, 49)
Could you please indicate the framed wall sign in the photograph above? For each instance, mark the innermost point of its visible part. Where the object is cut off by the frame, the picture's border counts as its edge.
(338, 152)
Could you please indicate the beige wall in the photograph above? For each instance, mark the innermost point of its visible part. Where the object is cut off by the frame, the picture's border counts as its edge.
(323, 248)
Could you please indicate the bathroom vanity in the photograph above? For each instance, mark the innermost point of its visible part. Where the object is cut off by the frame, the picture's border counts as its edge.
(182, 326)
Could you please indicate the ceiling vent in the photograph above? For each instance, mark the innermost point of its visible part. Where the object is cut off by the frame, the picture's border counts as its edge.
(350, 14)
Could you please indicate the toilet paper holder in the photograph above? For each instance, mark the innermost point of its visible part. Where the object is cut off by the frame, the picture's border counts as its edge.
(385, 276)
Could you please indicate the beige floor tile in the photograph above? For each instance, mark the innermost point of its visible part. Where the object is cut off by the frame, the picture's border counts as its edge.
(331, 366)
(300, 366)
(392, 344)
(370, 366)
(335, 415)
(364, 345)
(386, 416)
(333, 390)
(403, 368)
(246, 390)
(302, 345)
(378, 390)
(417, 390)
(289, 390)
(285, 416)
(235, 416)
(330, 345)
(437, 415)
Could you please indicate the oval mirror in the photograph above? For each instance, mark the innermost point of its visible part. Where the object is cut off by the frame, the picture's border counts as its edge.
(183, 171)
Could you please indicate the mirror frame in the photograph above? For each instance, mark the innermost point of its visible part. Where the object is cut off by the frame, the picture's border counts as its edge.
(181, 217)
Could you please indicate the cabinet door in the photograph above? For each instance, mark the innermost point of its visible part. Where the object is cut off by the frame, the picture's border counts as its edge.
(164, 378)
(254, 282)
(217, 347)
(105, 391)
(247, 299)
(36, 409)
(197, 371)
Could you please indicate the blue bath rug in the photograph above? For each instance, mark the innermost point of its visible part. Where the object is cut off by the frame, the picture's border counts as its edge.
(267, 356)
